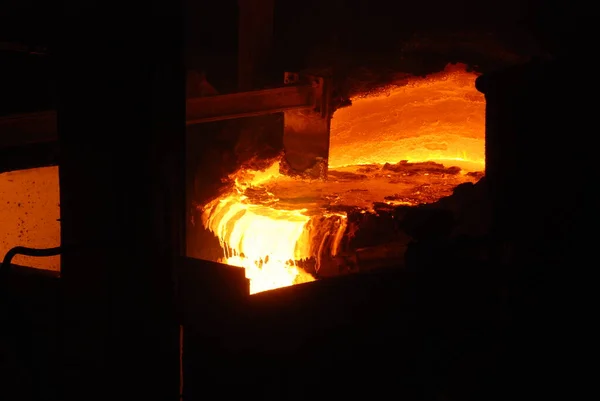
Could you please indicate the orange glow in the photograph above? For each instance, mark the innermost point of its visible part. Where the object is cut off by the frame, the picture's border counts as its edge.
(268, 241)
(264, 241)
(409, 144)
(437, 118)
(30, 214)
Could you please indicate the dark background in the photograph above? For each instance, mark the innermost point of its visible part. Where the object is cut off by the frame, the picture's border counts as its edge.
(380, 36)
(407, 36)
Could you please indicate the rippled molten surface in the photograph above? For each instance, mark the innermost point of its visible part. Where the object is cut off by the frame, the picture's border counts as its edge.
(437, 118)
(409, 144)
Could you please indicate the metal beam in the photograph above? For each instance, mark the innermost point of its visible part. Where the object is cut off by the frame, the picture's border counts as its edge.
(248, 104)
(306, 135)
(28, 128)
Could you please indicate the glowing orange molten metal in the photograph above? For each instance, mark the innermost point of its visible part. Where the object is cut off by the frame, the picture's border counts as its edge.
(269, 221)
(265, 241)
(437, 118)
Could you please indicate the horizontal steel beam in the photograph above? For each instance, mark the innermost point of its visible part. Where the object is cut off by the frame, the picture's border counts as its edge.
(28, 128)
(248, 104)
(31, 128)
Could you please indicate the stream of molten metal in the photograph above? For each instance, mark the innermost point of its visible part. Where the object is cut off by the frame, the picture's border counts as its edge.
(264, 241)
(437, 118)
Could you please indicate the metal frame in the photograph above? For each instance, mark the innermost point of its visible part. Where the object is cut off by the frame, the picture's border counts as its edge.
(28, 128)
(253, 103)
(41, 127)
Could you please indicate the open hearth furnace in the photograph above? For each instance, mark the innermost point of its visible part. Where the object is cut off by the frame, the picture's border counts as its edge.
(338, 194)
(382, 219)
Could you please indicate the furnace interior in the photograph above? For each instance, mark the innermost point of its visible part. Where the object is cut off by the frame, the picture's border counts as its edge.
(30, 214)
(410, 142)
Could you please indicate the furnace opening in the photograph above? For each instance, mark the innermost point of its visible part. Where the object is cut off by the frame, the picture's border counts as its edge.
(410, 143)
(438, 118)
(30, 214)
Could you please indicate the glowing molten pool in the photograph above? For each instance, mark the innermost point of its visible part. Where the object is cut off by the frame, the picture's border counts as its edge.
(413, 142)
(264, 241)
(437, 118)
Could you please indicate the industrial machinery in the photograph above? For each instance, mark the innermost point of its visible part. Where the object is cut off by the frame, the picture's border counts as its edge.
(304, 99)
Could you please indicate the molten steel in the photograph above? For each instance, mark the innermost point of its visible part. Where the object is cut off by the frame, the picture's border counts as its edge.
(437, 118)
(408, 144)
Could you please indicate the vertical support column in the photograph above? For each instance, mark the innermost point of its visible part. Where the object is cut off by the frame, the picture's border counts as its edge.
(121, 127)
(306, 134)
(255, 42)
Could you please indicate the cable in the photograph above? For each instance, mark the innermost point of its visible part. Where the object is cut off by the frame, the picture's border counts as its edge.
(18, 322)
(23, 250)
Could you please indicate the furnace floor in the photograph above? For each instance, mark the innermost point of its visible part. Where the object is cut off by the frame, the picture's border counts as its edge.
(361, 187)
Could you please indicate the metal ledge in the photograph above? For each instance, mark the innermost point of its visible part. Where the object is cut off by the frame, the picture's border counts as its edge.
(29, 128)
(35, 128)
(248, 104)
